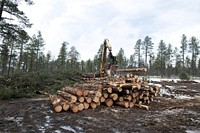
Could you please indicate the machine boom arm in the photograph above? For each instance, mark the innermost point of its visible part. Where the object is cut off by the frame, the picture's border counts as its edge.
(106, 45)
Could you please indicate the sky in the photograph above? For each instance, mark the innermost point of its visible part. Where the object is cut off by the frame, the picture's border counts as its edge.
(86, 23)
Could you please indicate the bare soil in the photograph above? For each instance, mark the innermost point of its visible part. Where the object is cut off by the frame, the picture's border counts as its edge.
(177, 112)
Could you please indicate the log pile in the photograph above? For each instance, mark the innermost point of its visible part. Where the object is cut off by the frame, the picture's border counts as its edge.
(126, 92)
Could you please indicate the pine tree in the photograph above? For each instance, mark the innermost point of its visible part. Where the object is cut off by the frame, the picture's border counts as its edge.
(161, 57)
(183, 49)
(132, 61)
(89, 66)
(73, 57)
(22, 41)
(8, 25)
(34, 48)
(194, 49)
(4, 58)
(62, 57)
(138, 47)
(98, 58)
(169, 55)
(122, 61)
(147, 46)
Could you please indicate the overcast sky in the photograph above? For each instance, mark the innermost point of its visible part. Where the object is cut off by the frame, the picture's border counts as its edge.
(86, 23)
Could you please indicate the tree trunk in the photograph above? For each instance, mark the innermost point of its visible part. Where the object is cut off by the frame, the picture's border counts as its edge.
(66, 106)
(86, 105)
(114, 96)
(123, 104)
(109, 102)
(67, 96)
(74, 108)
(10, 59)
(93, 105)
(74, 91)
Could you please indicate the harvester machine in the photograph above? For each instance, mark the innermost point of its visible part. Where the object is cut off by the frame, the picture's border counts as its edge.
(110, 69)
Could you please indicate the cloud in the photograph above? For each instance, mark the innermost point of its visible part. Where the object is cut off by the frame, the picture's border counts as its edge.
(85, 24)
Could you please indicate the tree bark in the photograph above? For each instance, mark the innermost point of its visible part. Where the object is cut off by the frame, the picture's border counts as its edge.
(73, 91)
(123, 104)
(67, 96)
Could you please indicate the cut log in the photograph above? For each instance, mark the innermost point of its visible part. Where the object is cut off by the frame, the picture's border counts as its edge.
(126, 86)
(146, 93)
(85, 93)
(81, 99)
(128, 97)
(96, 99)
(105, 95)
(98, 94)
(131, 104)
(80, 106)
(74, 91)
(74, 108)
(123, 104)
(86, 105)
(142, 106)
(126, 91)
(57, 108)
(98, 104)
(113, 96)
(100, 88)
(54, 99)
(136, 86)
(146, 98)
(117, 89)
(93, 105)
(67, 96)
(134, 95)
(102, 99)
(141, 96)
(134, 100)
(88, 99)
(109, 90)
(121, 98)
(132, 70)
(109, 102)
(151, 98)
(65, 106)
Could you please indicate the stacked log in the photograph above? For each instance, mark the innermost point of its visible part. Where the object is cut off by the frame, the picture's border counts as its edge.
(126, 92)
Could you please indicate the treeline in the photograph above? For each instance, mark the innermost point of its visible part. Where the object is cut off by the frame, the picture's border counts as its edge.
(26, 54)
(164, 61)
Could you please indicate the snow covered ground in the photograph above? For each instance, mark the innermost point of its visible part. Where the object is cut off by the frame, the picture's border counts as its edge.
(175, 79)
(166, 90)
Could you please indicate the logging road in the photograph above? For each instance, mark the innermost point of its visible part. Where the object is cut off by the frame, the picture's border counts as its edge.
(177, 109)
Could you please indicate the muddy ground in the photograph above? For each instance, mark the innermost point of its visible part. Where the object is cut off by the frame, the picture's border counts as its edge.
(176, 109)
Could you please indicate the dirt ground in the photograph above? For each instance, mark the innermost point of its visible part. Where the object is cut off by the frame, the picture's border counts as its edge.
(176, 109)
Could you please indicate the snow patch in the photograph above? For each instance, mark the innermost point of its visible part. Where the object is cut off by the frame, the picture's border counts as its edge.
(68, 128)
(57, 131)
(197, 81)
(192, 131)
(159, 79)
(169, 91)
(114, 110)
(165, 91)
(178, 96)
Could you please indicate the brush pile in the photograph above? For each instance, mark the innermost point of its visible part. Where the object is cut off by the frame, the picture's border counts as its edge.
(126, 92)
